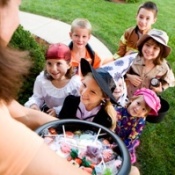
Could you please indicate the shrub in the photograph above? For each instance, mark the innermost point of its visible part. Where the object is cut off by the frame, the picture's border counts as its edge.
(24, 40)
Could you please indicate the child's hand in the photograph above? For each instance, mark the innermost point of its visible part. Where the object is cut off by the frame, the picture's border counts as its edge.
(51, 112)
(157, 89)
(35, 107)
(134, 79)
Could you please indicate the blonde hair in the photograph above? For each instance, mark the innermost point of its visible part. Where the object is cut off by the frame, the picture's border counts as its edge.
(108, 106)
(82, 23)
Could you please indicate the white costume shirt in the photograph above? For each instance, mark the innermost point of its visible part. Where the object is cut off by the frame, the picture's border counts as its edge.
(45, 92)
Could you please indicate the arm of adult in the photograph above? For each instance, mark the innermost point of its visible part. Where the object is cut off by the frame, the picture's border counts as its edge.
(30, 117)
(37, 99)
(24, 152)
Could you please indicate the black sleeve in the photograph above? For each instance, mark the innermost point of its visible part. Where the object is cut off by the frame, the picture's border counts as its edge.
(69, 108)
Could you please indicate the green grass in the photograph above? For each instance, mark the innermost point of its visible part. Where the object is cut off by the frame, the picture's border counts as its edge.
(156, 154)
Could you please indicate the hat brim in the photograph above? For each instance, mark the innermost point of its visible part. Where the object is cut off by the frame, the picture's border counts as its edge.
(161, 113)
(145, 36)
(149, 103)
(86, 68)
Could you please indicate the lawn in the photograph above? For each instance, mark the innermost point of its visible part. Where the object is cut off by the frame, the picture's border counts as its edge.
(156, 154)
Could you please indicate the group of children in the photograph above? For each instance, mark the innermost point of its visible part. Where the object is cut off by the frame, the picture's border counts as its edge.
(74, 83)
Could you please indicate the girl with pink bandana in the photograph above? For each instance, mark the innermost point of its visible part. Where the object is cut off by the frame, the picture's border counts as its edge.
(56, 82)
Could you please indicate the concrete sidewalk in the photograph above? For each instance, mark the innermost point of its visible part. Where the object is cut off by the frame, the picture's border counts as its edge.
(55, 31)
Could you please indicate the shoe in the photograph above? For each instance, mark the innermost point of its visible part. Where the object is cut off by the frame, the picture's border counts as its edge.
(133, 157)
(135, 144)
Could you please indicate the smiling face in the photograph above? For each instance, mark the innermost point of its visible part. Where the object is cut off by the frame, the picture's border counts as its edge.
(150, 50)
(138, 107)
(80, 37)
(57, 68)
(145, 19)
(90, 93)
(119, 90)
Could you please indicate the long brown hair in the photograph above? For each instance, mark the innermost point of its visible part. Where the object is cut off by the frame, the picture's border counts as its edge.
(13, 68)
(4, 2)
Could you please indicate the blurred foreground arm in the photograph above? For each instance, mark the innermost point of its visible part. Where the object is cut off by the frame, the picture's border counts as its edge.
(24, 152)
(30, 117)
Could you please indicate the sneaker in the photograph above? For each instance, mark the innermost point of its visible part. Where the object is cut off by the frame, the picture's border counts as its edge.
(133, 157)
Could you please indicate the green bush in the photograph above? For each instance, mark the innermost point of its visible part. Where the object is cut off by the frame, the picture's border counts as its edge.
(24, 40)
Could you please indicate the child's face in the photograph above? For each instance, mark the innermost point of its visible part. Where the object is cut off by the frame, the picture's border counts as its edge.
(150, 50)
(80, 37)
(57, 68)
(145, 19)
(90, 93)
(138, 107)
(119, 90)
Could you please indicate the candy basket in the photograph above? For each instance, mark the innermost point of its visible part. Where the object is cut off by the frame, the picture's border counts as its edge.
(102, 132)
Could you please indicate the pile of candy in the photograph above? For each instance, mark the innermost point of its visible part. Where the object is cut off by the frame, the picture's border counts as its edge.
(85, 149)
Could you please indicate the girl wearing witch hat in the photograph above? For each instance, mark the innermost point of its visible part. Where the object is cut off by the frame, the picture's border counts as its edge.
(95, 100)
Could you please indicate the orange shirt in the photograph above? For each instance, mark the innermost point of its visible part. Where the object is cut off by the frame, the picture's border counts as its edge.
(18, 144)
(75, 62)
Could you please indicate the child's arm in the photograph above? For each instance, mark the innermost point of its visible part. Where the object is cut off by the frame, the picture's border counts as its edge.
(134, 79)
(97, 61)
(121, 48)
(168, 80)
(37, 98)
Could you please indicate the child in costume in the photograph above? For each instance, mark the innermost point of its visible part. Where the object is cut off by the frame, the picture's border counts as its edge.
(80, 34)
(120, 92)
(94, 103)
(145, 18)
(56, 82)
(150, 63)
(131, 119)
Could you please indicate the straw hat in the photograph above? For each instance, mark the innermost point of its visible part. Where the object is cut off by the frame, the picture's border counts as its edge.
(158, 35)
